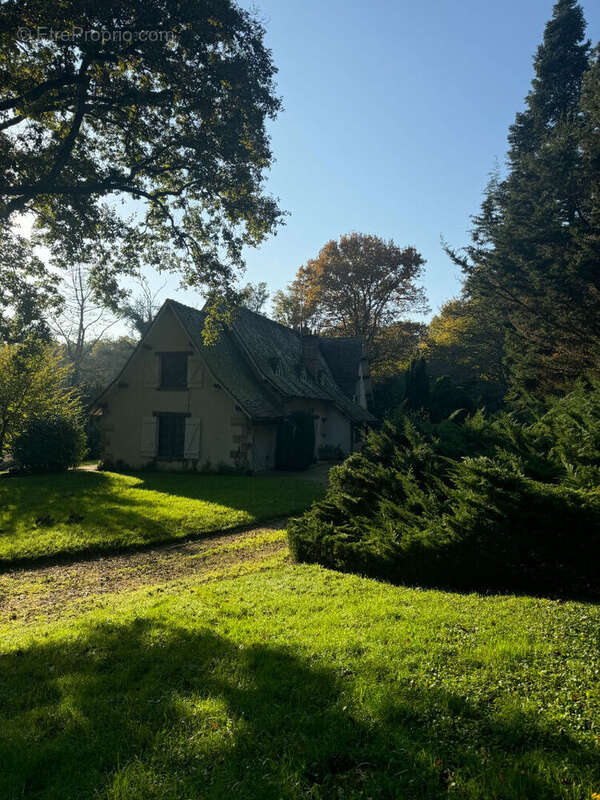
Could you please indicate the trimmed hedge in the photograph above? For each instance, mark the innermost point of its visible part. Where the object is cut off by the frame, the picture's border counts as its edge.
(488, 505)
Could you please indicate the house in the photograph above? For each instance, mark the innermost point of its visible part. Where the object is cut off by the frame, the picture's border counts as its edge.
(181, 404)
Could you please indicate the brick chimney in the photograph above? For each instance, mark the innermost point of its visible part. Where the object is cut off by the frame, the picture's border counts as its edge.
(311, 355)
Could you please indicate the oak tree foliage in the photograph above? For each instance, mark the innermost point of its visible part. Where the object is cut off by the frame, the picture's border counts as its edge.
(359, 285)
(140, 127)
(27, 292)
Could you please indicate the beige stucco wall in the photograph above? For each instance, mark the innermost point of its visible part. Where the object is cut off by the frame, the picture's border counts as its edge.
(227, 436)
(264, 438)
(331, 427)
(224, 427)
(338, 431)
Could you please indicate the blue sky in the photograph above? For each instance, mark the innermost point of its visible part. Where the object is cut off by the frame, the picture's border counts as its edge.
(395, 114)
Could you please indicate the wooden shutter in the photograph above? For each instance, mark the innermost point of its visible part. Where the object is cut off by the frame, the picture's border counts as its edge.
(149, 436)
(195, 372)
(193, 435)
(151, 365)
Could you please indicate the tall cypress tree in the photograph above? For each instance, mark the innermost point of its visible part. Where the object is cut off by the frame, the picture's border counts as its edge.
(588, 257)
(525, 255)
(417, 384)
(559, 64)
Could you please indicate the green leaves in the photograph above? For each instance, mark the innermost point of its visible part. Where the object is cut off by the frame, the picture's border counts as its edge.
(161, 107)
(27, 291)
(33, 384)
(529, 264)
(487, 504)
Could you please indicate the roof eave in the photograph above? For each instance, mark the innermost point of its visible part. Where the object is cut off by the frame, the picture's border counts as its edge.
(96, 405)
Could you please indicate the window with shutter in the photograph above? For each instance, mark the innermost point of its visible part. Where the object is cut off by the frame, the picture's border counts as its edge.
(193, 433)
(173, 370)
(171, 435)
(148, 443)
(195, 373)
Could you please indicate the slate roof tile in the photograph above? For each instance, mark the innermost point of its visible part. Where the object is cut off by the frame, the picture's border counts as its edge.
(260, 362)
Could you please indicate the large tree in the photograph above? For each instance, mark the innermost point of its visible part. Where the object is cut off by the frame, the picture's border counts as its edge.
(33, 383)
(360, 285)
(27, 292)
(534, 253)
(162, 105)
(396, 345)
(141, 306)
(296, 306)
(254, 296)
(466, 343)
(104, 362)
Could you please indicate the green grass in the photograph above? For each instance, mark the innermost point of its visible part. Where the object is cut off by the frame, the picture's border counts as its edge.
(298, 682)
(78, 512)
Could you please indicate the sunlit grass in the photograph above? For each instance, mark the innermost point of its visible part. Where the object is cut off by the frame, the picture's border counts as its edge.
(300, 682)
(100, 511)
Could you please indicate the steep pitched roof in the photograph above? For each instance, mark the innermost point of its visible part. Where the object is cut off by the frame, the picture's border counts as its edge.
(262, 360)
(228, 365)
(343, 355)
(276, 352)
(260, 363)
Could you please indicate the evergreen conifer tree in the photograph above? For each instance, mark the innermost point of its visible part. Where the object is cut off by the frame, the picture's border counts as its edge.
(526, 258)
(417, 385)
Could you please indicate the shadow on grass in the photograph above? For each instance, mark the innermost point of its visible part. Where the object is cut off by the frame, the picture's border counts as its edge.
(241, 490)
(147, 710)
(94, 511)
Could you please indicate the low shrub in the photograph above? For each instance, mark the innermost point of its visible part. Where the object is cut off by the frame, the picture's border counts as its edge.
(50, 444)
(495, 504)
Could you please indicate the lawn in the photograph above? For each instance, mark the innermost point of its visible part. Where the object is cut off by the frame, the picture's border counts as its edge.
(81, 511)
(297, 682)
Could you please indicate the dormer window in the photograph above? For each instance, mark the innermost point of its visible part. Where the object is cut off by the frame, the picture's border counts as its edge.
(173, 370)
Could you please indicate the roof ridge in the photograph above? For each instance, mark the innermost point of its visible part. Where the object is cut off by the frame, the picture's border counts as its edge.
(183, 305)
(356, 338)
(243, 309)
(267, 319)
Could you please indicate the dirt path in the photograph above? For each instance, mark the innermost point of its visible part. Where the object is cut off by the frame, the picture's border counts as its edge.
(49, 591)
